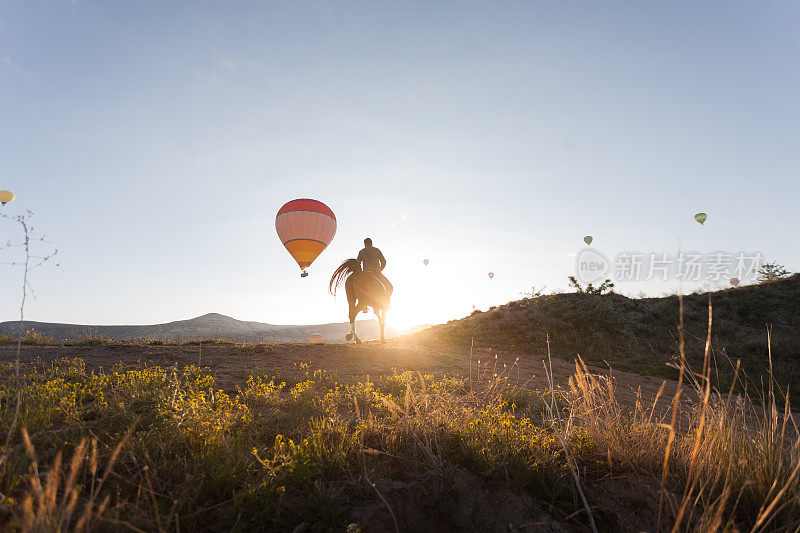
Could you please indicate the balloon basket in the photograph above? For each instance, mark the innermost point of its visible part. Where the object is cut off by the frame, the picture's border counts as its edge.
(303, 274)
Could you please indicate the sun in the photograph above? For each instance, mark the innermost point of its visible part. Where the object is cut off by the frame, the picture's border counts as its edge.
(433, 293)
(418, 308)
(402, 319)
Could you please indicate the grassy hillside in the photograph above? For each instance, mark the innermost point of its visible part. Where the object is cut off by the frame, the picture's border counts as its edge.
(641, 334)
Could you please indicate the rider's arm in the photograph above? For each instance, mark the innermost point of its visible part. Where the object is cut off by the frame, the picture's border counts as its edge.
(382, 259)
(360, 259)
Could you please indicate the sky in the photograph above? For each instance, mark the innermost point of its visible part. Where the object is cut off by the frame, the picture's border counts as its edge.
(155, 142)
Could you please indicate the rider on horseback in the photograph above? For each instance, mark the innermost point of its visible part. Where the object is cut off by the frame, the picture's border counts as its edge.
(366, 286)
(371, 260)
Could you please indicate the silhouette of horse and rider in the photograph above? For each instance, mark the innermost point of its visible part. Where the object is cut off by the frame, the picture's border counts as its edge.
(365, 285)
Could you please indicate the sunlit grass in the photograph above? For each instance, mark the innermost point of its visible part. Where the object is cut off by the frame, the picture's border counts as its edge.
(33, 337)
(163, 448)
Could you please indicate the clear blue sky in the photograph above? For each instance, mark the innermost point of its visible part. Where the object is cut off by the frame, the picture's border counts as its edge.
(155, 141)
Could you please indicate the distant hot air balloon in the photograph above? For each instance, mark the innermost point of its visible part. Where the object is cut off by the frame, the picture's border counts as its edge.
(6, 197)
(735, 282)
(425, 262)
(701, 218)
(588, 240)
(306, 227)
(491, 275)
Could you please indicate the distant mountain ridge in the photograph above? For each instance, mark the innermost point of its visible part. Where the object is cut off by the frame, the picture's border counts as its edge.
(211, 325)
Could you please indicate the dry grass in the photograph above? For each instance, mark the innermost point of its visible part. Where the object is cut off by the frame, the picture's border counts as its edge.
(160, 449)
(639, 334)
(30, 337)
(33, 337)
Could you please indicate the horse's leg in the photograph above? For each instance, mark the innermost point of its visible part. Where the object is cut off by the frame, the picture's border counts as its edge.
(351, 302)
(353, 313)
(355, 308)
(382, 321)
(353, 327)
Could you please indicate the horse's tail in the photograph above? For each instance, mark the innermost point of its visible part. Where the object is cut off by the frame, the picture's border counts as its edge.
(348, 267)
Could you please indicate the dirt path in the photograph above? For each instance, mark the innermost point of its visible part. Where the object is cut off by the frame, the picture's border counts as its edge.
(232, 364)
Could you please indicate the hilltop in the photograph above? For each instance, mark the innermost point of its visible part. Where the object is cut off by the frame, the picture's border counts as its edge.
(211, 325)
(641, 334)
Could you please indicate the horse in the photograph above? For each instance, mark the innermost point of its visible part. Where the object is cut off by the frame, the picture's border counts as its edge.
(363, 289)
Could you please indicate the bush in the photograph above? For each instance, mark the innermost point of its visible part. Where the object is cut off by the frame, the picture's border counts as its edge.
(771, 271)
(95, 340)
(34, 337)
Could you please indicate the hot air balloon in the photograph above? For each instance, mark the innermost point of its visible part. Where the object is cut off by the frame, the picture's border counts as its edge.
(491, 275)
(701, 218)
(306, 227)
(735, 282)
(588, 240)
(425, 262)
(6, 197)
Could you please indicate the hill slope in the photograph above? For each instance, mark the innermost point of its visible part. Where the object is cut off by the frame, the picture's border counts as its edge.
(641, 334)
(207, 326)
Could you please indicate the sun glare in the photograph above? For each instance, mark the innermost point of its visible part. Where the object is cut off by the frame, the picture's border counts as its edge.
(430, 294)
(404, 315)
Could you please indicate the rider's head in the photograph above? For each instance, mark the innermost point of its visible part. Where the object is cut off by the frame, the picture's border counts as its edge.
(367, 242)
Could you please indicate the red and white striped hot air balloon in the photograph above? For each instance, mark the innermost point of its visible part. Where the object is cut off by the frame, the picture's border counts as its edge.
(306, 227)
